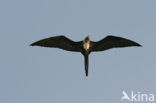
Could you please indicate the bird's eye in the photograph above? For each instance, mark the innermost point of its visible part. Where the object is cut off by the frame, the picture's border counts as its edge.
(86, 39)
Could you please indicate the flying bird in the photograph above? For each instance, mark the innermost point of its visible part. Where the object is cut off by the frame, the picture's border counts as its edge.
(85, 46)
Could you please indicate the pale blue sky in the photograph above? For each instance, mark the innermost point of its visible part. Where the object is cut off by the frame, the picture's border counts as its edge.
(47, 75)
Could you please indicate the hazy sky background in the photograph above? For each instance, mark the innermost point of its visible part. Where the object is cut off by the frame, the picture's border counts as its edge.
(47, 75)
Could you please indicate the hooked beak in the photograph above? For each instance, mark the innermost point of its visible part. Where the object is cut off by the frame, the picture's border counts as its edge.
(88, 36)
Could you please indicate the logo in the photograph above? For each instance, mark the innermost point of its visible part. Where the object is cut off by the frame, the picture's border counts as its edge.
(137, 97)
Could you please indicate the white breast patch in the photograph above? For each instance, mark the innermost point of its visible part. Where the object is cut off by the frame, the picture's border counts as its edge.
(86, 46)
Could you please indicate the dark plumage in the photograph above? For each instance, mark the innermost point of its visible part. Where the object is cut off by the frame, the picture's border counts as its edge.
(85, 46)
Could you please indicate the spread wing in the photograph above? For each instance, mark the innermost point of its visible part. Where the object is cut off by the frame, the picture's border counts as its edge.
(61, 42)
(113, 42)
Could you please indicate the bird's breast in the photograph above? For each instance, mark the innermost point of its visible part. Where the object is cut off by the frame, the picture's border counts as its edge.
(86, 46)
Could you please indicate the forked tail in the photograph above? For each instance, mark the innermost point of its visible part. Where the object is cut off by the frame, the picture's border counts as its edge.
(86, 64)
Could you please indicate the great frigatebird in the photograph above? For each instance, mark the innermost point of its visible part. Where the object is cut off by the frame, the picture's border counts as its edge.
(85, 46)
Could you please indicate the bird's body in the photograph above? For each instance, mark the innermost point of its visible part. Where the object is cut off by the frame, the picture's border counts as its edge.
(85, 46)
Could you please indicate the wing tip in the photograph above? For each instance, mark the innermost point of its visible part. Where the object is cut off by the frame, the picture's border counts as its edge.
(33, 44)
(138, 45)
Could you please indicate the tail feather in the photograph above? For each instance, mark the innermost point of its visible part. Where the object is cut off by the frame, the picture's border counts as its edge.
(86, 64)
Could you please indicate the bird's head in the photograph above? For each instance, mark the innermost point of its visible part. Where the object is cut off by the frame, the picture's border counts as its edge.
(87, 39)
